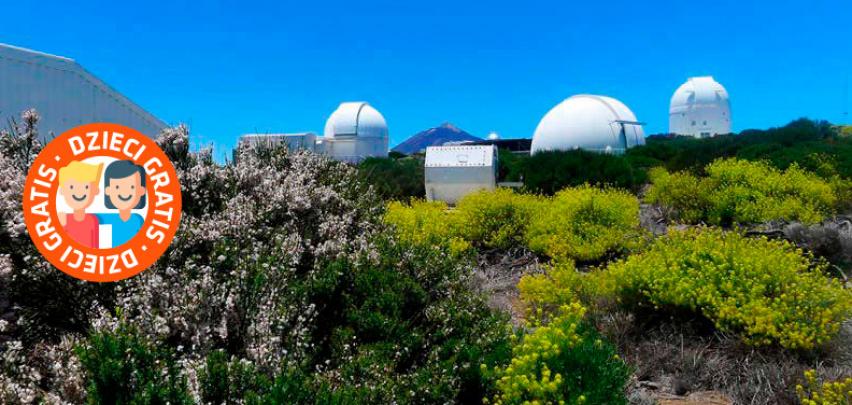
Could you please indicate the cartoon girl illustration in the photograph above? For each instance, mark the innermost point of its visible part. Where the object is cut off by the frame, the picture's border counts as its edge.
(124, 190)
(78, 185)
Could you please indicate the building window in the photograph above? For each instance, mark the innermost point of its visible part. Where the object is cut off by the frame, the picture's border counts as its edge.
(693, 123)
(705, 123)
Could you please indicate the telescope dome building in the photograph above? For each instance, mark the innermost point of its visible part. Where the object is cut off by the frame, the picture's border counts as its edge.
(589, 122)
(355, 131)
(700, 108)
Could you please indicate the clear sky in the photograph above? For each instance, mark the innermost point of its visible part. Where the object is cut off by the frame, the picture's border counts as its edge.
(227, 68)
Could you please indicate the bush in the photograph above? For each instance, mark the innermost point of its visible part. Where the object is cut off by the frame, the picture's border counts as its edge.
(496, 219)
(122, 368)
(767, 291)
(549, 172)
(427, 223)
(825, 393)
(563, 361)
(585, 223)
(394, 179)
(738, 191)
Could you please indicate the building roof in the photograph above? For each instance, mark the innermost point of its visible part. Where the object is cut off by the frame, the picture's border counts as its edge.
(460, 156)
(590, 122)
(356, 119)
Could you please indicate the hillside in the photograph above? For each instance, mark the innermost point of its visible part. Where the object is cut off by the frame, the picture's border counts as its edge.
(437, 136)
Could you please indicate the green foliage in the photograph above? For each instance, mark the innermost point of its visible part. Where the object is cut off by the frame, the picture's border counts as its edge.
(585, 223)
(397, 179)
(767, 291)
(564, 361)
(123, 368)
(549, 172)
(739, 191)
(780, 147)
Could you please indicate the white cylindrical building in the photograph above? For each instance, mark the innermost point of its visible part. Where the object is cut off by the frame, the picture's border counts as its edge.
(584, 121)
(354, 132)
(700, 108)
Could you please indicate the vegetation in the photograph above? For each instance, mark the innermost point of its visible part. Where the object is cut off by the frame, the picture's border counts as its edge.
(738, 191)
(582, 223)
(394, 178)
(123, 368)
(563, 361)
(766, 291)
(825, 393)
(549, 172)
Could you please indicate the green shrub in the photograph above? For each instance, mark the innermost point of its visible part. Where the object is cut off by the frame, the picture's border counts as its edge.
(496, 218)
(739, 191)
(549, 172)
(815, 392)
(585, 223)
(394, 179)
(564, 361)
(122, 368)
(765, 290)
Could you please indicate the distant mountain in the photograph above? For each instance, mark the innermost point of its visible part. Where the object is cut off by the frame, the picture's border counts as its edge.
(433, 137)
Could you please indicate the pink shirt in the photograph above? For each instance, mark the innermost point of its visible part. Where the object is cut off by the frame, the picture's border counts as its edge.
(84, 232)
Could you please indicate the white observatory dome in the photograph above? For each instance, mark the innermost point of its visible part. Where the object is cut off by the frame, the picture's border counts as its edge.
(493, 136)
(594, 123)
(700, 108)
(356, 119)
(354, 132)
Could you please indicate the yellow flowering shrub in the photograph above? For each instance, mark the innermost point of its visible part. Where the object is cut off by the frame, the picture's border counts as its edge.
(741, 191)
(582, 223)
(496, 218)
(768, 291)
(825, 393)
(426, 223)
(562, 284)
(585, 223)
(562, 362)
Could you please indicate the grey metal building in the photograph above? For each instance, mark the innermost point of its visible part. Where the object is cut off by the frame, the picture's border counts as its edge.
(455, 171)
(64, 94)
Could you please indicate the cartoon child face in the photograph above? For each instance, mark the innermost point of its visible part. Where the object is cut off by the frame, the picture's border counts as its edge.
(79, 195)
(125, 192)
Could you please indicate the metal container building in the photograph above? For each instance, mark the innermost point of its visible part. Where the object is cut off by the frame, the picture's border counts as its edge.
(64, 94)
(455, 171)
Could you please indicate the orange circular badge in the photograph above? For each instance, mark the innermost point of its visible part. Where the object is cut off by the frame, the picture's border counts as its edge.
(102, 202)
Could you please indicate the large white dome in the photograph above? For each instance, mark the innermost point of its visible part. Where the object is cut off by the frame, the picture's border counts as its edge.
(585, 121)
(700, 108)
(356, 119)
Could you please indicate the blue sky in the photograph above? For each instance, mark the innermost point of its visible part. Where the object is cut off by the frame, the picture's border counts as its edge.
(227, 68)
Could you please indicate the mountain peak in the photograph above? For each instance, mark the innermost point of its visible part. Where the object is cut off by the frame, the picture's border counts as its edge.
(446, 132)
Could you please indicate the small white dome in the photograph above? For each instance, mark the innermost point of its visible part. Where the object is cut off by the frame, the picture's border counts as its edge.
(700, 108)
(356, 119)
(590, 122)
(493, 136)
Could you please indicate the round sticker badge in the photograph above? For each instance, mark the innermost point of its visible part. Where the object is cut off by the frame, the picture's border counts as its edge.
(102, 202)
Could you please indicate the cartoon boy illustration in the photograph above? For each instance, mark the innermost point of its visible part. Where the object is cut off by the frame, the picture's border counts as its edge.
(124, 190)
(78, 185)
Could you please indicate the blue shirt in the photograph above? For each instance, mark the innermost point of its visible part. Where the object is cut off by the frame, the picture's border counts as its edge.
(122, 231)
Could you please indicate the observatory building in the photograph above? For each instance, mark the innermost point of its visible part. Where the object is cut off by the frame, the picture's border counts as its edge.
(700, 108)
(64, 93)
(451, 172)
(589, 122)
(355, 131)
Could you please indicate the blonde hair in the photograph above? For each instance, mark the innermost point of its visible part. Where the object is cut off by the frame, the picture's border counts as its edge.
(79, 171)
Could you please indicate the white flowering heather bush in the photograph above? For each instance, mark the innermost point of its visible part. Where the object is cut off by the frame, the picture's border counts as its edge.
(281, 286)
